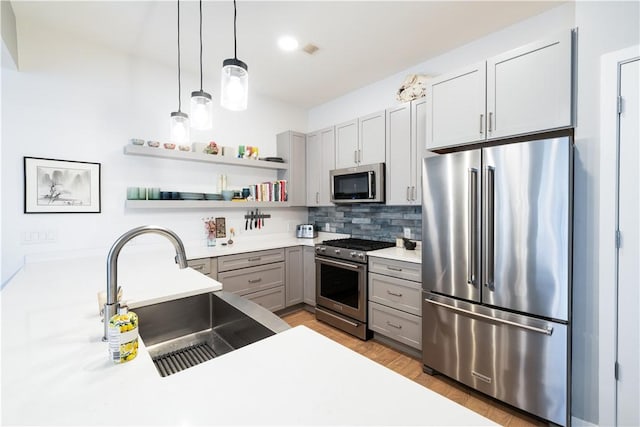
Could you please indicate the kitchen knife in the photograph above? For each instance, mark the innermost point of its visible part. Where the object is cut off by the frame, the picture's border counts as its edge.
(256, 219)
(251, 221)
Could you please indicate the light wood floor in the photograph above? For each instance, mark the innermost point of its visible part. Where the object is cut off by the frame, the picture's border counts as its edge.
(412, 369)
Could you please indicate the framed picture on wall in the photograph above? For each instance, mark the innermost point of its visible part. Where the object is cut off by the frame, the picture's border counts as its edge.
(61, 186)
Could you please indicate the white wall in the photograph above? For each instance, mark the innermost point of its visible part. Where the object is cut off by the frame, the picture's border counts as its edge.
(78, 101)
(603, 27)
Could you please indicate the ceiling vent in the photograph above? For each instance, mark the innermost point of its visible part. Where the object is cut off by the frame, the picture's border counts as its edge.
(310, 48)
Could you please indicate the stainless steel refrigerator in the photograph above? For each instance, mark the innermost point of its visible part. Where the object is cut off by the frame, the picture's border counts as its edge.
(496, 271)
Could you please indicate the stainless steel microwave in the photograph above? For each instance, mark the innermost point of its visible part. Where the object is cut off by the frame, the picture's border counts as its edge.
(358, 184)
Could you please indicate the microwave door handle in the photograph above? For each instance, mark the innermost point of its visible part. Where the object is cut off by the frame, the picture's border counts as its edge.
(372, 184)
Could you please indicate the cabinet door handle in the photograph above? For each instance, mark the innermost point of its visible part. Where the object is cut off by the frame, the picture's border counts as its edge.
(394, 268)
(393, 325)
(359, 156)
(408, 193)
(490, 119)
(197, 267)
(254, 259)
(317, 197)
(255, 280)
(414, 193)
(394, 294)
(481, 119)
(355, 156)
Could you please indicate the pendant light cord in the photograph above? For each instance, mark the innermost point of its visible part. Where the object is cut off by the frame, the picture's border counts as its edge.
(200, 45)
(179, 88)
(235, 42)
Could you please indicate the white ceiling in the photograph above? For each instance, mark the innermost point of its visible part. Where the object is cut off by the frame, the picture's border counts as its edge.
(360, 41)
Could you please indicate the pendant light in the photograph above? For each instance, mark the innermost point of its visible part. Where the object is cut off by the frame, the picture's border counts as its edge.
(179, 121)
(201, 103)
(234, 84)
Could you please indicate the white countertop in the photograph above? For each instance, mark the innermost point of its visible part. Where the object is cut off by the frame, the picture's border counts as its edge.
(250, 244)
(400, 254)
(55, 368)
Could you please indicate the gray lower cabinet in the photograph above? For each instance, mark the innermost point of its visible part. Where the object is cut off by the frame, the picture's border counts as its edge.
(201, 265)
(258, 276)
(294, 284)
(206, 266)
(309, 261)
(395, 309)
(271, 299)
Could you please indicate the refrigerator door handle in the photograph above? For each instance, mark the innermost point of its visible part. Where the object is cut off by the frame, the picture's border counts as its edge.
(547, 330)
(472, 215)
(489, 215)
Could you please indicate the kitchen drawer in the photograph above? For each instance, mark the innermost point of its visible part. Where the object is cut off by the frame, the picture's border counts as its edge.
(396, 293)
(271, 299)
(395, 324)
(246, 280)
(251, 259)
(394, 268)
(202, 265)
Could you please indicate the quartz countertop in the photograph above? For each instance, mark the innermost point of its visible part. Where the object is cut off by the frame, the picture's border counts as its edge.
(399, 254)
(55, 368)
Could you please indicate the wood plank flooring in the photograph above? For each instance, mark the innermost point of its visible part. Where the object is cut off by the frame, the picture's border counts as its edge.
(412, 369)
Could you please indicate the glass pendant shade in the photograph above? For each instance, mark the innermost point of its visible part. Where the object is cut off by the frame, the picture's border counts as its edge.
(179, 123)
(201, 110)
(234, 85)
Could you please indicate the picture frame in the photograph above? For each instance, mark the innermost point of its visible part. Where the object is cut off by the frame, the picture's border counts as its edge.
(61, 186)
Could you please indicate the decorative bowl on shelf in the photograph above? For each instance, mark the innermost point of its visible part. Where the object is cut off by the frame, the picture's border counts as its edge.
(154, 144)
(137, 141)
(169, 145)
(184, 147)
(227, 194)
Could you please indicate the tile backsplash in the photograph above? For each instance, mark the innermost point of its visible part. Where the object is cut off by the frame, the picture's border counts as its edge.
(369, 221)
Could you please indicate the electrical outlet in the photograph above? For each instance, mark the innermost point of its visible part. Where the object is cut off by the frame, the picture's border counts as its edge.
(407, 232)
(326, 227)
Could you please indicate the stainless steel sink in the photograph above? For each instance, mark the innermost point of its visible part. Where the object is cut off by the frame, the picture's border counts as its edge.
(182, 333)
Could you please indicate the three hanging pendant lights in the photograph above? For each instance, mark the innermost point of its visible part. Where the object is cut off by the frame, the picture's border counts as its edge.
(234, 85)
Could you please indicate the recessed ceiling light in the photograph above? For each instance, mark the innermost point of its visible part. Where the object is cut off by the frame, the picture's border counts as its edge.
(287, 43)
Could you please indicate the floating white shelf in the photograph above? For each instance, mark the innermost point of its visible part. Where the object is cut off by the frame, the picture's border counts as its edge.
(201, 204)
(142, 150)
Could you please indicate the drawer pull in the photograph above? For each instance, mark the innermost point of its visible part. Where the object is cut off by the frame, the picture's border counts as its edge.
(393, 293)
(393, 268)
(197, 267)
(254, 259)
(393, 325)
(255, 280)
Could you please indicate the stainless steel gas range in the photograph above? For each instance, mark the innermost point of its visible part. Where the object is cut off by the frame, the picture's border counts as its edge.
(341, 283)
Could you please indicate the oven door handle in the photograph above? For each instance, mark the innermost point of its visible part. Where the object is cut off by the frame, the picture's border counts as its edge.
(338, 263)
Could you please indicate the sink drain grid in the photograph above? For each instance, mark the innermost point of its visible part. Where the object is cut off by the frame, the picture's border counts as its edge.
(184, 358)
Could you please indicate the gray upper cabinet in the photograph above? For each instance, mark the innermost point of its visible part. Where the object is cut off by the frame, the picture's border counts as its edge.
(530, 89)
(291, 146)
(456, 107)
(347, 144)
(294, 277)
(320, 160)
(525, 90)
(406, 126)
(361, 141)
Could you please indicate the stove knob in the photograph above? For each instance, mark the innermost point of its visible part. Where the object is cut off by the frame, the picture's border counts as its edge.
(361, 255)
(353, 254)
(321, 249)
(337, 251)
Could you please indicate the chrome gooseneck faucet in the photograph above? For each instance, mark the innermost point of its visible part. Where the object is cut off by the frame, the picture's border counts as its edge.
(112, 304)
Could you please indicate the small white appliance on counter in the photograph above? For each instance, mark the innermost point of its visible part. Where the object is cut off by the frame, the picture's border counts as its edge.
(306, 231)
